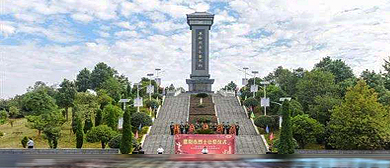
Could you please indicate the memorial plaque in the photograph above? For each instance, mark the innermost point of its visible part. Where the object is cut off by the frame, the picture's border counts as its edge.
(200, 49)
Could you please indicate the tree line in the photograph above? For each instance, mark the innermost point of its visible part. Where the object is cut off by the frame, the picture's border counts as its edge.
(330, 105)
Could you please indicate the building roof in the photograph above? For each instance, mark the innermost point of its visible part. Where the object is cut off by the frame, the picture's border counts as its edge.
(200, 14)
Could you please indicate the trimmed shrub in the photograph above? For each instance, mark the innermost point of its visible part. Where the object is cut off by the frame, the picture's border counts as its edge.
(271, 120)
(139, 118)
(115, 142)
(24, 142)
(202, 95)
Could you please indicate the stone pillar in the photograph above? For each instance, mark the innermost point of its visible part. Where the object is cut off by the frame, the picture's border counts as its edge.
(200, 24)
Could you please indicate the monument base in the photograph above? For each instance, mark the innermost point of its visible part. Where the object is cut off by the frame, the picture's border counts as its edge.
(199, 85)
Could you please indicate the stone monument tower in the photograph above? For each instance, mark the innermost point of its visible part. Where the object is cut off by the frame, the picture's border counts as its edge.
(200, 24)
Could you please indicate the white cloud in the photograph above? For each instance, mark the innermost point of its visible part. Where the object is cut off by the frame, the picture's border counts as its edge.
(6, 28)
(260, 34)
(82, 17)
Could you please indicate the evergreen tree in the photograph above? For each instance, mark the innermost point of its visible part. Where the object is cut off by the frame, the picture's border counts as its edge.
(87, 124)
(79, 133)
(99, 117)
(286, 145)
(127, 135)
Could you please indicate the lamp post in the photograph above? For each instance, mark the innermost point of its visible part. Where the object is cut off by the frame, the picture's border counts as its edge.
(265, 95)
(157, 80)
(150, 85)
(254, 82)
(137, 84)
(244, 81)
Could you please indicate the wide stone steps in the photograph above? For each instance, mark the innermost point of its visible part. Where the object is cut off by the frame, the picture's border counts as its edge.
(174, 109)
(229, 110)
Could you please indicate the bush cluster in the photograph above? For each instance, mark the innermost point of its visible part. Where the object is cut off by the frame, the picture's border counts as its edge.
(202, 95)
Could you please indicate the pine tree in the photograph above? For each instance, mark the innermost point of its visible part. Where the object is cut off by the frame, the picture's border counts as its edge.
(126, 144)
(79, 133)
(286, 145)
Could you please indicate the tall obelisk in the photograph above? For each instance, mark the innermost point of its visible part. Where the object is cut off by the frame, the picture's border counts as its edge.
(200, 24)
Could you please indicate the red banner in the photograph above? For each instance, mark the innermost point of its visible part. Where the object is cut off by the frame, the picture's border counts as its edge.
(194, 143)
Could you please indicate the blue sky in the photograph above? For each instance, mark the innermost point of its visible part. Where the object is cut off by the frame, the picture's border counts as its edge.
(49, 40)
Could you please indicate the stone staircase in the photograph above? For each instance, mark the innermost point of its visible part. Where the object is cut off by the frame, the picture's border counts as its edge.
(229, 110)
(174, 109)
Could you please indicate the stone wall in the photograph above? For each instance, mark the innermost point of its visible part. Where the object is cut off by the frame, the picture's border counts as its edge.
(342, 151)
(59, 151)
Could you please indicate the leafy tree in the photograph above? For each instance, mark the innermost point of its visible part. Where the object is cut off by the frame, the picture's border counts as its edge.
(322, 108)
(142, 119)
(104, 99)
(231, 86)
(40, 86)
(101, 133)
(360, 122)
(338, 68)
(151, 104)
(79, 133)
(126, 141)
(113, 88)
(101, 73)
(251, 102)
(306, 129)
(66, 95)
(286, 145)
(286, 79)
(296, 108)
(112, 114)
(377, 82)
(49, 119)
(386, 66)
(344, 85)
(273, 93)
(3, 116)
(14, 111)
(52, 127)
(85, 104)
(315, 83)
(38, 102)
(83, 80)
(52, 134)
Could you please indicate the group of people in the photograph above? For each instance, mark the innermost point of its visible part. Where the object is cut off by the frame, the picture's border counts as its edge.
(217, 128)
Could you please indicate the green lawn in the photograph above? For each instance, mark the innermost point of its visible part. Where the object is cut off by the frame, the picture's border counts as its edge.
(12, 138)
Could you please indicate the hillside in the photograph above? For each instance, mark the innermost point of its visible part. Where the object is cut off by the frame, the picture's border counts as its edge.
(13, 136)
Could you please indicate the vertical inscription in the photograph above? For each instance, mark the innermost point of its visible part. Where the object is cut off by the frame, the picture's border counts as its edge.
(200, 45)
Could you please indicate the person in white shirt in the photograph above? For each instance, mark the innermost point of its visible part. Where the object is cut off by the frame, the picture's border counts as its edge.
(205, 151)
(30, 144)
(160, 150)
